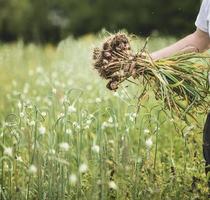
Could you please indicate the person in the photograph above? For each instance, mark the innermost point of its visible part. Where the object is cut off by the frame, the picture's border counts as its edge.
(199, 41)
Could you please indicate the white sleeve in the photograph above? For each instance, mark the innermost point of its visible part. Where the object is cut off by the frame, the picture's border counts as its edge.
(202, 21)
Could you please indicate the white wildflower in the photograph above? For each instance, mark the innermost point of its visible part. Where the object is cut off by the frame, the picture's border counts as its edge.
(64, 146)
(32, 169)
(110, 120)
(149, 143)
(52, 151)
(111, 141)
(73, 179)
(146, 130)
(112, 185)
(83, 168)
(19, 159)
(131, 118)
(88, 122)
(104, 125)
(91, 116)
(72, 109)
(68, 131)
(95, 148)
(134, 115)
(31, 123)
(8, 151)
(42, 130)
(22, 114)
(43, 114)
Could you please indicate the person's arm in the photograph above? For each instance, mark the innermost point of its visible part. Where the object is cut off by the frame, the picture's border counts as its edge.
(197, 41)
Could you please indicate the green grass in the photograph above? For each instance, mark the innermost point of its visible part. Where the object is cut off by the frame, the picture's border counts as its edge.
(63, 135)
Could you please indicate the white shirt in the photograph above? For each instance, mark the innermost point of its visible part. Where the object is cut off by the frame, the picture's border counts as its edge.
(203, 18)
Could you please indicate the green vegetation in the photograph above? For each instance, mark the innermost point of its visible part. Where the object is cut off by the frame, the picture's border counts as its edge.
(63, 135)
(51, 20)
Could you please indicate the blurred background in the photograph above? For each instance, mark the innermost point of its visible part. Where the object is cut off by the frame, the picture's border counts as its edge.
(44, 21)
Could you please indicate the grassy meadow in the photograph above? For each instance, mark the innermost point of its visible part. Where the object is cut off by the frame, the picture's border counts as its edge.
(63, 135)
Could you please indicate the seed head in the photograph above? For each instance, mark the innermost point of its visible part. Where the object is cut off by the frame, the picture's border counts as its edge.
(8, 151)
(32, 169)
(95, 148)
(42, 130)
(64, 146)
(149, 143)
(72, 109)
(73, 179)
(22, 114)
(112, 185)
(83, 168)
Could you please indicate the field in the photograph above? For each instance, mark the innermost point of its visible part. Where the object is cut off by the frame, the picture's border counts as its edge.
(63, 135)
